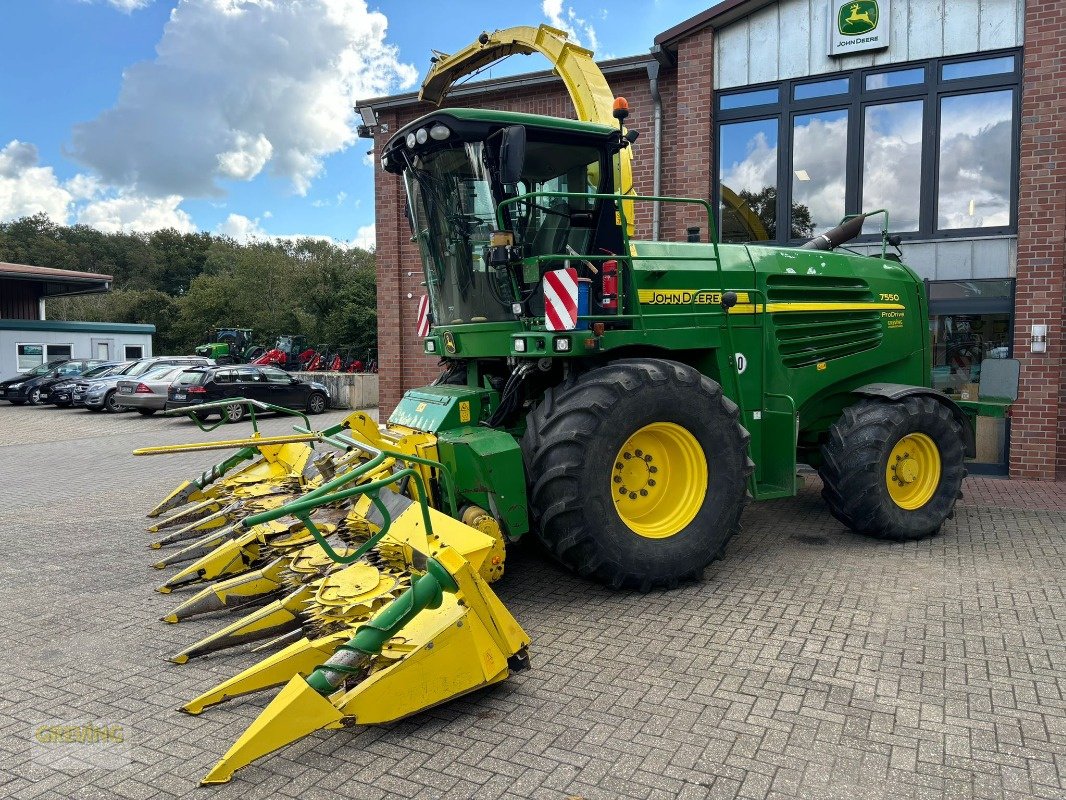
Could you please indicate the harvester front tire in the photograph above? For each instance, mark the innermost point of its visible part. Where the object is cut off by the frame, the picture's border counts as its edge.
(577, 436)
(863, 467)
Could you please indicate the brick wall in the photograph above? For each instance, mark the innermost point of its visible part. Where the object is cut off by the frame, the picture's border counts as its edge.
(688, 150)
(1038, 429)
(402, 363)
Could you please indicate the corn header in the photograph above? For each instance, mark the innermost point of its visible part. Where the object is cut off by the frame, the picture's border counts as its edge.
(358, 566)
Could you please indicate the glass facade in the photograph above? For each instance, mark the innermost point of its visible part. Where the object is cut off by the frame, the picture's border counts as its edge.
(930, 142)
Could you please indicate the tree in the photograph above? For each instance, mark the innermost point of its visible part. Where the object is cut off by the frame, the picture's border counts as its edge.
(764, 205)
(187, 284)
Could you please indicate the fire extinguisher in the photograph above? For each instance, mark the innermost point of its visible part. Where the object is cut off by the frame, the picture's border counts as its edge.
(609, 293)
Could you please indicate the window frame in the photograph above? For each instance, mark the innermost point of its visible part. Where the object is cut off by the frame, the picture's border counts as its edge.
(855, 101)
(126, 352)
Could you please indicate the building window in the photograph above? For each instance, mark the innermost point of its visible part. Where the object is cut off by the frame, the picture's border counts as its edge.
(28, 356)
(976, 132)
(971, 322)
(934, 143)
(132, 352)
(58, 352)
(748, 195)
(892, 163)
(819, 167)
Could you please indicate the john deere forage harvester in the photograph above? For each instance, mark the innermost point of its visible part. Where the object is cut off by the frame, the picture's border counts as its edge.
(620, 400)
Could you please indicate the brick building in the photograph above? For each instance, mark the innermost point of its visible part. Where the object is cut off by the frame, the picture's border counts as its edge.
(954, 120)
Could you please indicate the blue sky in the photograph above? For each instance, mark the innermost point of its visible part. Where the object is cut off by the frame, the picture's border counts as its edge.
(233, 116)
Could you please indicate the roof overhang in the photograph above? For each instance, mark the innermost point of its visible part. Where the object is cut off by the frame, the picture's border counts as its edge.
(56, 282)
(616, 66)
(718, 16)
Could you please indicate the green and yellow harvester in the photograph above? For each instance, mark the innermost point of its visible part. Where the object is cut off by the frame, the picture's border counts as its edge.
(620, 400)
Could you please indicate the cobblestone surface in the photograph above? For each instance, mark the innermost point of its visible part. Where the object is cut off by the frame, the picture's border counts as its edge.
(811, 663)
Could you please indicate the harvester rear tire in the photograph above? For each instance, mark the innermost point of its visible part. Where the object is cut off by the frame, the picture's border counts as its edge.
(573, 438)
(857, 475)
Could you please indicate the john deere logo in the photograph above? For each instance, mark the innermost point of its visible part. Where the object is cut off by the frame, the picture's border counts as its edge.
(857, 18)
(449, 342)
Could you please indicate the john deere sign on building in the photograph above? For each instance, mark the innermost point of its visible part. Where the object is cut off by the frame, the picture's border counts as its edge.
(858, 25)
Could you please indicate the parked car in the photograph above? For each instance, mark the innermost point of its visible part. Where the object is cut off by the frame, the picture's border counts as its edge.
(32, 387)
(148, 394)
(200, 385)
(61, 393)
(101, 394)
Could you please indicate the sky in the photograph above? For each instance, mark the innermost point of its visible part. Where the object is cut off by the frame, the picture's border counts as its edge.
(235, 116)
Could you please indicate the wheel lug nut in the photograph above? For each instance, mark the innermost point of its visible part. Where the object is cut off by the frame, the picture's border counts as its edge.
(617, 479)
(632, 495)
(653, 469)
(643, 492)
(621, 490)
(639, 454)
(651, 481)
(647, 457)
(627, 456)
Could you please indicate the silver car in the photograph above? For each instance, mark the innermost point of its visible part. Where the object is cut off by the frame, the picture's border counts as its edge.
(148, 393)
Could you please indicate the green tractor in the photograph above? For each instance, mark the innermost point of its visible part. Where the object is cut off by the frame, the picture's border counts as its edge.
(625, 399)
(230, 346)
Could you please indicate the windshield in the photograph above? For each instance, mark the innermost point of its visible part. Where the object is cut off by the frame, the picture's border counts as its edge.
(452, 212)
(96, 372)
(453, 201)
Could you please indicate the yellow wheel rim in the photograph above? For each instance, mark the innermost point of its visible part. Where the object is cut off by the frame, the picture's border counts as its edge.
(913, 471)
(659, 480)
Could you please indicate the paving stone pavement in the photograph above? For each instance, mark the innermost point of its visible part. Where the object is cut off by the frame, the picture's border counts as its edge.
(811, 663)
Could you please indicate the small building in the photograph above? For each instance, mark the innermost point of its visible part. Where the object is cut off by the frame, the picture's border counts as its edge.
(788, 114)
(28, 339)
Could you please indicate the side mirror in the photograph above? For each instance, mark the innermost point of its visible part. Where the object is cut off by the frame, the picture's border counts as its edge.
(512, 153)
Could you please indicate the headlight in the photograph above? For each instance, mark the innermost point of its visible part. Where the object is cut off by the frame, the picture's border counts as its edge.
(431, 346)
(422, 136)
(520, 345)
(439, 132)
(14, 386)
(410, 139)
(561, 344)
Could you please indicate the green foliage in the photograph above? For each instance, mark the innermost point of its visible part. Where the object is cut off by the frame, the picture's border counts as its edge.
(188, 284)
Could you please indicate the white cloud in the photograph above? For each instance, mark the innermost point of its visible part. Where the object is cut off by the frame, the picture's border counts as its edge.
(129, 6)
(26, 188)
(129, 212)
(247, 159)
(241, 229)
(244, 230)
(126, 6)
(580, 31)
(366, 237)
(239, 86)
